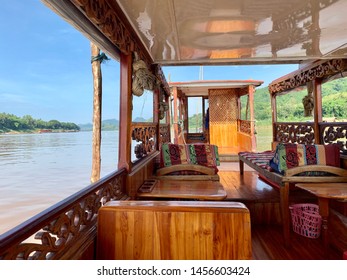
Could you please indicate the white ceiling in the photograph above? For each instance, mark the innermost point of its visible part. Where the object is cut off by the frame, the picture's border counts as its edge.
(239, 31)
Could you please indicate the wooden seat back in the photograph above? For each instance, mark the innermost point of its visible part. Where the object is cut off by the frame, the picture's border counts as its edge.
(174, 230)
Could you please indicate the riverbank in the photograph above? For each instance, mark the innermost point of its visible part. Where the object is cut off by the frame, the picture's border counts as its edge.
(37, 131)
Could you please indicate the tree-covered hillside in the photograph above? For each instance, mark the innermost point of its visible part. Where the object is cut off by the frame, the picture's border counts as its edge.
(10, 122)
(109, 124)
(290, 108)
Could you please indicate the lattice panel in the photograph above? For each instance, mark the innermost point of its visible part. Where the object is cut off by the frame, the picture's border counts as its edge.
(223, 106)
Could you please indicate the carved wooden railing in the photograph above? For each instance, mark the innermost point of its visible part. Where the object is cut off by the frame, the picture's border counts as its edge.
(294, 132)
(146, 135)
(65, 229)
(303, 133)
(334, 132)
(245, 126)
(301, 77)
(164, 133)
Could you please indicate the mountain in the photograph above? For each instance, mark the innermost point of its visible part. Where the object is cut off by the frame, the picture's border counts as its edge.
(139, 119)
(109, 124)
(334, 100)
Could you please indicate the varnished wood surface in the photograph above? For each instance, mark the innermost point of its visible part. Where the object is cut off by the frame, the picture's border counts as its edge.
(263, 201)
(200, 190)
(247, 187)
(327, 190)
(184, 167)
(174, 230)
(289, 178)
(267, 244)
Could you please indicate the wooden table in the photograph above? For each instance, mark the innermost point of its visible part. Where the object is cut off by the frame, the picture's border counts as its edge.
(177, 189)
(324, 192)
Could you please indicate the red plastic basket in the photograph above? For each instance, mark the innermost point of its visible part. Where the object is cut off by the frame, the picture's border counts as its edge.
(306, 219)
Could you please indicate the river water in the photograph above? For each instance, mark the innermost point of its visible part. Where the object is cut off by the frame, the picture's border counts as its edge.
(39, 170)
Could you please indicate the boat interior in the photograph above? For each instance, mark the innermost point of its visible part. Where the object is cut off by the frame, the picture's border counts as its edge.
(182, 191)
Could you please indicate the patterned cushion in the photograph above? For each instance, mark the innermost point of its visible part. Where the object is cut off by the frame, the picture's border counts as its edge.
(202, 154)
(171, 154)
(293, 155)
(261, 159)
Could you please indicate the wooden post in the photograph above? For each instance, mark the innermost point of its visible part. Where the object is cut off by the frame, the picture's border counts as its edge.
(175, 115)
(97, 101)
(124, 157)
(274, 119)
(251, 110)
(317, 96)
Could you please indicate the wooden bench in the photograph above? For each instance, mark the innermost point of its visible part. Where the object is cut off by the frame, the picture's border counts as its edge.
(174, 230)
(290, 178)
(197, 161)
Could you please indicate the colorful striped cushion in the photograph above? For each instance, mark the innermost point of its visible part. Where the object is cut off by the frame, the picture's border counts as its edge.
(202, 154)
(261, 159)
(293, 155)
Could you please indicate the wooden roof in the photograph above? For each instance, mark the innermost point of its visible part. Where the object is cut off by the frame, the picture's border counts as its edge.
(201, 87)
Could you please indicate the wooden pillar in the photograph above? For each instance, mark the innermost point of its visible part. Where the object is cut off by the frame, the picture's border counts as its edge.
(252, 120)
(97, 102)
(184, 116)
(167, 115)
(175, 114)
(274, 119)
(317, 110)
(124, 157)
(156, 114)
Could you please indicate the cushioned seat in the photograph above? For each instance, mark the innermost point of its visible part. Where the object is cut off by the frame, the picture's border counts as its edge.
(189, 154)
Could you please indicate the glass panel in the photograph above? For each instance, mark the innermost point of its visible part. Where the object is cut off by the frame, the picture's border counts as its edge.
(290, 107)
(334, 100)
(195, 120)
(245, 114)
(206, 114)
(142, 113)
(143, 107)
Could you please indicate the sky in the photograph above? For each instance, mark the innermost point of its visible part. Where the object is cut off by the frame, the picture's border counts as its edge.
(45, 68)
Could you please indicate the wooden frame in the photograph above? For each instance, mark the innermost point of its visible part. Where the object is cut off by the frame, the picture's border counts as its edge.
(208, 173)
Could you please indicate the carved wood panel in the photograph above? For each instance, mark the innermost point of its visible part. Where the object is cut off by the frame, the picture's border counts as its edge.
(245, 126)
(104, 14)
(164, 133)
(300, 78)
(301, 133)
(334, 133)
(146, 134)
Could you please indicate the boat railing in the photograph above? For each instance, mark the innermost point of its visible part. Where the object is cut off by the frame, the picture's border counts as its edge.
(66, 230)
(334, 132)
(294, 132)
(164, 133)
(304, 133)
(246, 126)
(146, 135)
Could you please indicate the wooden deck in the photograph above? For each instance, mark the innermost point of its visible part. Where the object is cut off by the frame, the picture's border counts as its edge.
(263, 203)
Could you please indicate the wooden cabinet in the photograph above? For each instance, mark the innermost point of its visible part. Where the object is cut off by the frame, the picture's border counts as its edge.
(175, 230)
